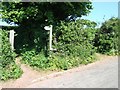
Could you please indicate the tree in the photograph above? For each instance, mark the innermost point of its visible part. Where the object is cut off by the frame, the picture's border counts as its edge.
(33, 16)
(23, 12)
(107, 37)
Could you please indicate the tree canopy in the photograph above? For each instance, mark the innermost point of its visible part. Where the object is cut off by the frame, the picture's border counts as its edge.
(27, 12)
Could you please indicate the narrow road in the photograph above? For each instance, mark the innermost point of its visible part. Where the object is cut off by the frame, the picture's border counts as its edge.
(101, 74)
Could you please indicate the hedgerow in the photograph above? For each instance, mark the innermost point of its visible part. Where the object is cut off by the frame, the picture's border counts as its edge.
(8, 68)
(106, 39)
(74, 44)
(76, 38)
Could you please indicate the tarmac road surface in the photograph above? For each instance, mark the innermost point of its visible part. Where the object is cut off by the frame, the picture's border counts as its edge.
(101, 74)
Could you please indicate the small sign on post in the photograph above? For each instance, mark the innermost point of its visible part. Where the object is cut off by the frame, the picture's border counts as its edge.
(11, 38)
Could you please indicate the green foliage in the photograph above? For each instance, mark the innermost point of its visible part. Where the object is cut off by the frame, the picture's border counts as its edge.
(34, 59)
(58, 62)
(27, 12)
(74, 46)
(107, 37)
(39, 60)
(33, 16)
(12, 71)
(53, 62)
(76, 38)
(76, 41)
(32, 38)
(27, 56)
(7, 55)
(8, 68)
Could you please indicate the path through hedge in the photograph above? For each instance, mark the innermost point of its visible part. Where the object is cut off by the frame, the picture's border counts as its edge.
(27, 77)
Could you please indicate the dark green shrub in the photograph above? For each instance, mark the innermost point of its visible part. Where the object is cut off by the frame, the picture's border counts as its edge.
(35, 59)
(76, 38)
(55, 61)
(11, 72)
(28, 55)
(8, 68)
(7, 55)
(106, 39)
(39, 61)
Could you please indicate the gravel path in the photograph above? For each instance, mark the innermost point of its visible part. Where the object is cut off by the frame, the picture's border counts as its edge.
(101, 74)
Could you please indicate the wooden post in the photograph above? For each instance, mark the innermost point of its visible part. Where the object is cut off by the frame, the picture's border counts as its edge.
(11, 38)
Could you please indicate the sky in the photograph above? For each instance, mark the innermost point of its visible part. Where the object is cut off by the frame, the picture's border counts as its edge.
(101, 11)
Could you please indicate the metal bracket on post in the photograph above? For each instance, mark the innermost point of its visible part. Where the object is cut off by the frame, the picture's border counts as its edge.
(50, 40)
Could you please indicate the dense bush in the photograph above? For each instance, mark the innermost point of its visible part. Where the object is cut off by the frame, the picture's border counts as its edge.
(12, 71)
(76, 38)
(74, 46)
(106, 39)
(8, 68)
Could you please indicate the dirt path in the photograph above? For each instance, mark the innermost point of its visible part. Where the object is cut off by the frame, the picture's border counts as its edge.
(30, 76)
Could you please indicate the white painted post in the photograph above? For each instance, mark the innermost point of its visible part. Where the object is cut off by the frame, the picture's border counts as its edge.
(50, 40)
(50, 28)
(51, 37)
(11, 38)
